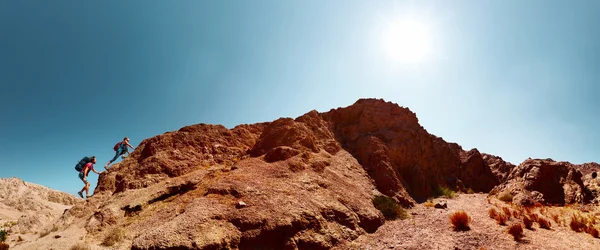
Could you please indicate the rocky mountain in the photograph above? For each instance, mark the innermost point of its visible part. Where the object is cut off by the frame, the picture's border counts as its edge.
(303, 183)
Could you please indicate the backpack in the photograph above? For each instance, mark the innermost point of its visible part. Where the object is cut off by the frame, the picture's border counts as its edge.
(82, 162)
(116, 147)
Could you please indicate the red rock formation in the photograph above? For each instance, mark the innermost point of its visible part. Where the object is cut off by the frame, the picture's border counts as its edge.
(300, 179)
(404, 160)
(499, 167)
(475, 171)
(557, 182)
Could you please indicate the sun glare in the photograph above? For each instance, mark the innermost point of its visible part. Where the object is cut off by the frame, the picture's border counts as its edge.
(407, 41)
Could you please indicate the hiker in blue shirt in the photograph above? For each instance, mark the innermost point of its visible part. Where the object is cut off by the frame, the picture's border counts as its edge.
(121, 148)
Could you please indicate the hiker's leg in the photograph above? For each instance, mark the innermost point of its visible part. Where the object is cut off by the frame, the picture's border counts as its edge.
(87, 189)
(85, 184)
(114, 158)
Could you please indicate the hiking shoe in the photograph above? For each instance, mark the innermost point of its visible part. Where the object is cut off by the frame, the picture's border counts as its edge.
(80, 194)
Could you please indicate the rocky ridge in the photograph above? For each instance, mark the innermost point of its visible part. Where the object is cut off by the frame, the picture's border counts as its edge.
(304, 183)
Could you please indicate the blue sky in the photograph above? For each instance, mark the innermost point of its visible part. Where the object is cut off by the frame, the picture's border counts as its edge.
(513, 78)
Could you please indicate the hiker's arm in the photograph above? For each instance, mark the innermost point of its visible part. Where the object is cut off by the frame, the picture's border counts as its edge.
(85, 173)
(95, 171)
(129, 145)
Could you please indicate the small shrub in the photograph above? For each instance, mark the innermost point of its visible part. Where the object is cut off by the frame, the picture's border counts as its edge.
(556, 218)
(9, 224)
(544, 223)
(527, 222)
(516, 214)
(577, 223)
(506, 197)
(3, 234)
(492, 213)
(470, 191)
(47, 232)
(440, 191)
(507, 212)
(80, 246)
(516, 231)
(592, 231)
(389, 207)
(429, 203)
(544, 211)
(114, 236)
(534, 216)
(501, 219)
(460, 221)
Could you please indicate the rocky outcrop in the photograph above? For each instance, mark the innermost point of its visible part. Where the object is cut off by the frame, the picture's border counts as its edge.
(591, 181)
(546, 181)
(404, 160)
(177, 153)
(499, 167)
(29, 207)
(476, 172)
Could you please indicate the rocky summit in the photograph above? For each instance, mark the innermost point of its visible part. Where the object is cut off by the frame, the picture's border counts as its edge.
(304, 183)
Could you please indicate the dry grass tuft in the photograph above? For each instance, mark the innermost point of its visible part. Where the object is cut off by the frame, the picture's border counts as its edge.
(533, 216)
(47, 232)
(113, 237)
(429, 203)
(506, 197)
(460, 221)
(592, 231)
(501, 219)
(516, 214)
(544, 223)
(556, 218)
(492, 213)
(578, 223)
(516, 231)
(527, 222)
(507, 212)
(80, 246)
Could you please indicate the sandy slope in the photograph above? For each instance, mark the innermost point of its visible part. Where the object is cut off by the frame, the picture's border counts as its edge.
(429, 228)
(28, 210)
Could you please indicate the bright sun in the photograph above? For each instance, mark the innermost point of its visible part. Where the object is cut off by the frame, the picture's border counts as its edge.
(407, 41)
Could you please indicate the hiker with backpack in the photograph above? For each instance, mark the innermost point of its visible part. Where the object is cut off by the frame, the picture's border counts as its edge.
(120, 148)
(84, 167)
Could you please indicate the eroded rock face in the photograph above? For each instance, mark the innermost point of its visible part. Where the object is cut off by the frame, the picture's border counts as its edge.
(404, 160)
(31, 207)
(499, 167)
(591, 181)
(475, 171)
(177, 153)
(557, 182)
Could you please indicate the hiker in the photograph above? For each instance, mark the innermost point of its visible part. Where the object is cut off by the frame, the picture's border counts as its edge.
(121, 148)
(85, 166)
